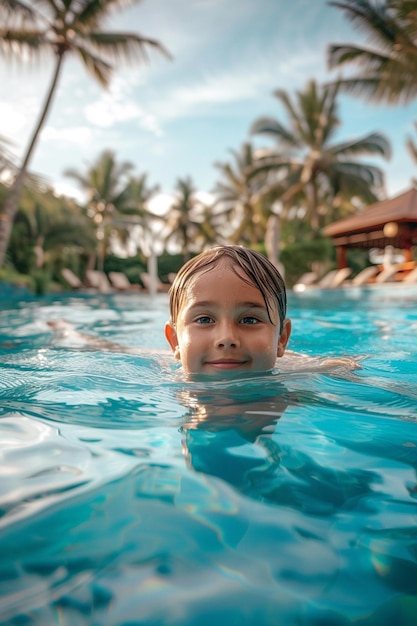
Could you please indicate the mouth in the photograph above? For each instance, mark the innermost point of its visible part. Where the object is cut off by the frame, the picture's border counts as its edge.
(226, 364)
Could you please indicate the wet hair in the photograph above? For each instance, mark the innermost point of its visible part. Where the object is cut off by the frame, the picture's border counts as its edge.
(258, 272)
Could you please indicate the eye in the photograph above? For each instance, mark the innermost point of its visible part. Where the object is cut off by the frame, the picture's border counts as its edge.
(249, 319)
(204, 319)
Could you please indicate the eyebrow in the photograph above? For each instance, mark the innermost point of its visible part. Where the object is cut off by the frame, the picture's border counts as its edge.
(243, 305)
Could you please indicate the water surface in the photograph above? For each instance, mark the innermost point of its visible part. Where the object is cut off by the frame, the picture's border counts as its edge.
(129, 496)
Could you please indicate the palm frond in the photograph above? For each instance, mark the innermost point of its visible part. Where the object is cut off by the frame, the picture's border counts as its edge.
(121, 46)
(372, 59)
(388, 64)
(18, 10)
(370, 175)
(411, 146)
(95, 66)
(80, 178)
(372, 144)
(372, 18)
(271, 127)
(92, 13)
(20, 41)
(401, 90)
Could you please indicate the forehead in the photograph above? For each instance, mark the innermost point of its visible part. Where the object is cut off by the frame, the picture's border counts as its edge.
(217, 274)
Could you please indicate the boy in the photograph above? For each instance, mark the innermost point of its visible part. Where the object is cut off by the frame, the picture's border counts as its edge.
(228, 313)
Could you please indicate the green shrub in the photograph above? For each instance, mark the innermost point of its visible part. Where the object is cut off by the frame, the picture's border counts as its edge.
(300, 257)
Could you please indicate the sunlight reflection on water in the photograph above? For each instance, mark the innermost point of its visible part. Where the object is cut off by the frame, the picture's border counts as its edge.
(131, 496)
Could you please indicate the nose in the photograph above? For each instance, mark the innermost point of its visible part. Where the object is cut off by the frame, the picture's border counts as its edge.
(227, 336)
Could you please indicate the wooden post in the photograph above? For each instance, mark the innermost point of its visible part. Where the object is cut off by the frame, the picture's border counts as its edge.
(341, 257)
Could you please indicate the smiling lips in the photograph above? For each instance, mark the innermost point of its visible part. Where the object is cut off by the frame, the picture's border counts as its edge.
(226, 364)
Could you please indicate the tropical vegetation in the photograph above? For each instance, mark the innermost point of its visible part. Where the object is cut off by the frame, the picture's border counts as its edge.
(49, 233)
(63, 29)
(304, 178)
(307, 167)
(386, 68)
(191, 224)
(237, 196)
(116, 201)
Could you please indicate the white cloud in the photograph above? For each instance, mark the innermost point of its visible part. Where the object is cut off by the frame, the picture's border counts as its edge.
(107, 112)
(205, 197)
(150, 123)
(63, 188)
(71, 134)
(12, 120)
(161, 203)
(117, 105)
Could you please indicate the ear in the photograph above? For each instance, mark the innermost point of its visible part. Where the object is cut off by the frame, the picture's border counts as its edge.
(171, 337)
(285, 335)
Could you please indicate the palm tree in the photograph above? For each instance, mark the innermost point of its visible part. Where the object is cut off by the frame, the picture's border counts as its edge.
(106, 186)
(134, 214)
(63, 28)
(188, 223)
(388, 65)
(117, 202)
(237, 193)
(307, 167)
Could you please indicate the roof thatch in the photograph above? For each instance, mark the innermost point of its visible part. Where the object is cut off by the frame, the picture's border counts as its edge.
(402, 208)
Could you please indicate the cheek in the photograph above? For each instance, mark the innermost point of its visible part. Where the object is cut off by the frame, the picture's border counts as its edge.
(267, 347)
(184, 339)
(270, 355)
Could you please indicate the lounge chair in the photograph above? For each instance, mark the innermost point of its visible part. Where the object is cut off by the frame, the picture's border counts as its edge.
(304, 281)
(387, 274)
(71, 279)
(121, 282)
(146, 279)
(98, 280)
(411, 277)
(326, 280)
(334, 278)
(364, 276)
(340, 277)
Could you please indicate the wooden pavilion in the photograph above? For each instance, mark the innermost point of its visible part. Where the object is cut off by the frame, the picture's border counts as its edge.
(391, 222)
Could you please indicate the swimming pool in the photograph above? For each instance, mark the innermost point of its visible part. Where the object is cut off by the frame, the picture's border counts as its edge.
(129, 496)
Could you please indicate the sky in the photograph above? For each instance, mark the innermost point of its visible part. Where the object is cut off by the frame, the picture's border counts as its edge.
(176, 118)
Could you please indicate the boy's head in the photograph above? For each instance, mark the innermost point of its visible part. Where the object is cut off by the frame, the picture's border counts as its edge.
(228, 312)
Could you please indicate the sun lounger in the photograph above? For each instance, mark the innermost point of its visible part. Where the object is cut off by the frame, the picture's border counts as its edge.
(387, 274)
(304, 281)
(326, 281)
(71, 279)
(121, 282)
(146, 279)
(331, 280)
(334, 278)
(98, 280)
(411, 277)
(364, 276)
(340, 277)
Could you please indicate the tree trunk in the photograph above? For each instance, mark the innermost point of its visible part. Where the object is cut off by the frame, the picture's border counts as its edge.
(9, 210)
(39, 252)
(273, 241)
(313, 201)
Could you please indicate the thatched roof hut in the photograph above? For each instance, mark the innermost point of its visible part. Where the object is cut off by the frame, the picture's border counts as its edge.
(391, 222)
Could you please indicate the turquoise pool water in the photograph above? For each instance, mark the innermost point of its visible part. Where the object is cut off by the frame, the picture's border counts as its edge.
(130, 497)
